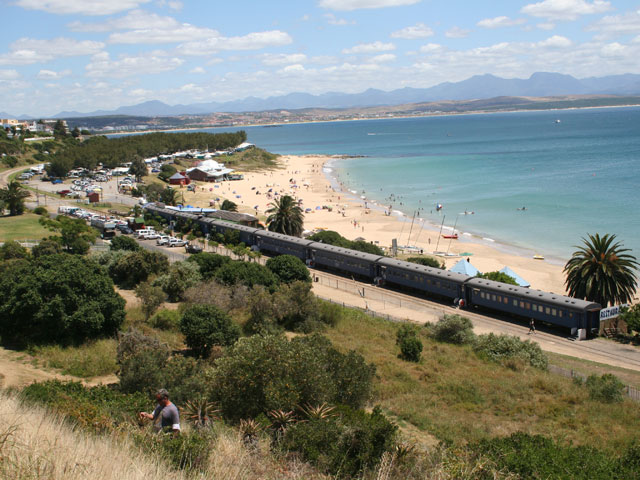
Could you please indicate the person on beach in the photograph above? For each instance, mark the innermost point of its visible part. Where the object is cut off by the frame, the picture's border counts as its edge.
(165, 416)
(532, 327)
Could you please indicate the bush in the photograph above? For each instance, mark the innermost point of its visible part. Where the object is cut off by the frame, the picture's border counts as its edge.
(248, 274)
(41, 211)
(209, 263)
(205, 326)
(124, 243)
(289, 268)
(454, 329)
(606, 388)
(498, 277)
(187, 451)
(13, 249)
(129, 270)
(166, 320)
(427, 262)
(263, 373)
(57, 299)
(410, 344)
(345, 444)
(499, 348)
(180, 277)
(47, 246)
(151, 298)
(133, 342)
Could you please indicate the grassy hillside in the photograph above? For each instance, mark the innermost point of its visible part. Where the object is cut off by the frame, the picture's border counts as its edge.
(22, 227)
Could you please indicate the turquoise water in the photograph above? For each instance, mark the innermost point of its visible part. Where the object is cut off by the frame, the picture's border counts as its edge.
(576, 176)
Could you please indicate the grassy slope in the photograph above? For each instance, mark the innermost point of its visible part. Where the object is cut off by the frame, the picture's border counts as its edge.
(457, 397)
(22, 227)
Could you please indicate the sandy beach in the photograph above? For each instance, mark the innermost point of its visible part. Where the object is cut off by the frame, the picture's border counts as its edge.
(303, 178)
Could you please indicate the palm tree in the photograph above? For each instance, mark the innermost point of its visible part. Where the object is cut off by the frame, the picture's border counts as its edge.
(601, 271)
(285, 217)
(229, 206)
(13, 196)
(169, 196)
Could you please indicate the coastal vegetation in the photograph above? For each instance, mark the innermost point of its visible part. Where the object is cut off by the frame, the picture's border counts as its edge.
(498, 277)
(12, 198)
(602, 271)
(285, 216)
(334, 238)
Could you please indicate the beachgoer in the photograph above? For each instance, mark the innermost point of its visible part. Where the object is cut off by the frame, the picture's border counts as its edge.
(165, 415)
(532, 327)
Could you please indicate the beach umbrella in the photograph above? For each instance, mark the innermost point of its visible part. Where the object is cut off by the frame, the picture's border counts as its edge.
(238, 196)
(318, 208)
(307, 210)
(466, 254)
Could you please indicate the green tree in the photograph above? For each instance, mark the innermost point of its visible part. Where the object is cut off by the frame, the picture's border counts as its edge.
(247, 274)
(124, 243)
(285, 217)
(427, 261)
(47, 246)
(601, 271)
(229, 206)
(498, 277)
(59, 129)
(13, 196)
(129, 270)
(13, 249)
(631, 316)
(151, 298)
(205, 326)
(138, 168)
(76, 235)
(170, 196)
(166, 172)
(410, 344)
(57, 299)
(289, 268)
(208, 263)
(75, 133)
(179, 277)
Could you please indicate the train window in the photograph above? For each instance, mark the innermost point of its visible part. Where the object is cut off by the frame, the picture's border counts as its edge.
(499, 298)
(553, 312)
(493, 298)
(506, 300)
(475, 291)
(521, 304)
(515, 302)
(570, 314)
(547, 310)
(481, 294)
(560, 314)
(527, 305)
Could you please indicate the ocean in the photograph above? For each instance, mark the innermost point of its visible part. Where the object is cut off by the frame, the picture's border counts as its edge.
(536, 182)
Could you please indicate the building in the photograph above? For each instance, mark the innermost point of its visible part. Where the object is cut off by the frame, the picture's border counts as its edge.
(179, 179)
(209, 171)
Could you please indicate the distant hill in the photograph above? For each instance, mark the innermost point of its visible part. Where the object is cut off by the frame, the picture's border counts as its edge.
(540, 84)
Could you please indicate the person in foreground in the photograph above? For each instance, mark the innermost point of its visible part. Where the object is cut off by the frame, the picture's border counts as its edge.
(165, 416)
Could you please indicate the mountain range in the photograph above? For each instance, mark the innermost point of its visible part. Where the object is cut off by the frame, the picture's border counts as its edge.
(539, 84)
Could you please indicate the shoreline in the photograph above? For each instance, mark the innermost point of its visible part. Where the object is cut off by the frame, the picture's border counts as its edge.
(328, 207)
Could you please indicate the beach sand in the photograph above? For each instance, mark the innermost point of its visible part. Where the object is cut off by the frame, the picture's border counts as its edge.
(303, 178)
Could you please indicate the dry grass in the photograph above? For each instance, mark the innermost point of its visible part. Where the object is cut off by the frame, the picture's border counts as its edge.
(91, 359)
(34, 444)
(457, 397)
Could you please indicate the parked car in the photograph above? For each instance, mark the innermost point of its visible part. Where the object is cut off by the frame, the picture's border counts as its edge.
(193, 248)
(152, 236)
(124, 229)
(163, 240)
(177, 242)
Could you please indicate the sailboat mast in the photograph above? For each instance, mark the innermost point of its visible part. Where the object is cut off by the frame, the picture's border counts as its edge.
(411, 229)
(454, 232)
(440, 234)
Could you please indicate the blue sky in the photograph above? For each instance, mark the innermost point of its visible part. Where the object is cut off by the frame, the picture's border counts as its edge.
(86, 55)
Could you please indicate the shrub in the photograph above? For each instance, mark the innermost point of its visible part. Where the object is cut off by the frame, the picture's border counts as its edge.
(295, 306)
(41, 211)
(499, 348)
(454, 329)
(124, 243)
(166, 320)
(180, 277)
(187, 451)
(13, 249)
(135, 267)
(58, 299)
(151, 298)
(498, 277)
(213, 293)
(411, 349)
(344, 444)
(606, 388)
(427, 262)
(208, 263)
(263, 373)
(47, 246)
(133, 342)
(289, 268)
(205, 326)
(88, 360)
(248, 274)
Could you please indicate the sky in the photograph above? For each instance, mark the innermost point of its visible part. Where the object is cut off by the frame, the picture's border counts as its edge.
(84, 55)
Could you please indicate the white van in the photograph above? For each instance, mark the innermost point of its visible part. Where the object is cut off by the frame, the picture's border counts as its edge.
(143, 233)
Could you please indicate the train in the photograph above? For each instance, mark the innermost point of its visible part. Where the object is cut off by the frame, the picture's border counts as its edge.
(580, 317)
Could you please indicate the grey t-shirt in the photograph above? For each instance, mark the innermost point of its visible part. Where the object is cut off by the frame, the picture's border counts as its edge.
(169, 417)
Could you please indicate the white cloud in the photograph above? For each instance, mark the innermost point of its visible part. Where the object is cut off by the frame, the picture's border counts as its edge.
(52, 75)
(251, 41)
(370, 48)
(456, 32)
(340, 22)
(358, 4)
(9, 75)
(176, 5)
(140, 92)
(419, 30)
(102, 65)
(384, 58)
(182, 33)
(81, 7)
(565, 9)
(283, 59)
(502, 21)
(133, 20)
(197, 70)
(25, 51)
(556, 41)
(546, 26)
(628, 23)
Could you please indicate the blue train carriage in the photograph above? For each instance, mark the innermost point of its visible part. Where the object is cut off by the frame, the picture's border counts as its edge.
(579, 316)
(421, 278)
(273, 243)
(343, 260)
(246, 234)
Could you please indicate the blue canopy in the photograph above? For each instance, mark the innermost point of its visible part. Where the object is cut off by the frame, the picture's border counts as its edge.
(464, 267)
(519, 280)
